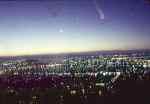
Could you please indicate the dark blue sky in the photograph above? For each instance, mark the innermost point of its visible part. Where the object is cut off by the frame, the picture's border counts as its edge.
(54, 26)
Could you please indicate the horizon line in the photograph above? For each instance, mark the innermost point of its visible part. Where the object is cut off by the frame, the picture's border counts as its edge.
(73, 52)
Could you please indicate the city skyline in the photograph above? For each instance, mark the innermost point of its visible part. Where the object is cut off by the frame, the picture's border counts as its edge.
(38, 27)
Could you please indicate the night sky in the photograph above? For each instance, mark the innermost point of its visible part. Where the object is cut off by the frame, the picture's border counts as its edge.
(55, 26)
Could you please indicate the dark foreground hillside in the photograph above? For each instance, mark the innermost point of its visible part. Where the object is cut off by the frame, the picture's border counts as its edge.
(133, 89)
